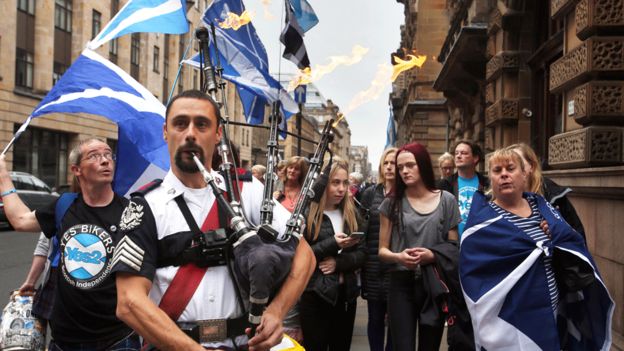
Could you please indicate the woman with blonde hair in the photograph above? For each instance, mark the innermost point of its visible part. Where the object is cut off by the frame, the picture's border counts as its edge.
(553, 192)
(328, 304)
(528, 287)
(446, 165)
(375, 274)
(294, 174)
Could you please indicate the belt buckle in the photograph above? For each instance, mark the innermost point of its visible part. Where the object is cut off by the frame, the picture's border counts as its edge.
(212, 330)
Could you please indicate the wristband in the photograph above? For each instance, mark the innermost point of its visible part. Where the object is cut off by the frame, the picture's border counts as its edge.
(8, 192)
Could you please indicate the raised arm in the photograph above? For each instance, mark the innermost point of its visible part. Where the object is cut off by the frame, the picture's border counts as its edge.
(18, 214)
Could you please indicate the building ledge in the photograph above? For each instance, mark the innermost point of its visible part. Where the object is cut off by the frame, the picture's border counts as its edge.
(465, 59)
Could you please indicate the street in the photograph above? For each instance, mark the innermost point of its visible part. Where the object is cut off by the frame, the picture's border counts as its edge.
(16, 252)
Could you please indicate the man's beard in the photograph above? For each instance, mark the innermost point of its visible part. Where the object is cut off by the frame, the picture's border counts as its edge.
(188, 165)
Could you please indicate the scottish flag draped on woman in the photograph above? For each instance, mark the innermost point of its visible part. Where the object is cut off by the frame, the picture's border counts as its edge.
(505, 284)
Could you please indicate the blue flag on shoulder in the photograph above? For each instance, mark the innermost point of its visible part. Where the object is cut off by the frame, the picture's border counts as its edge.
(160, 16)
(245, 63)
(142, 152)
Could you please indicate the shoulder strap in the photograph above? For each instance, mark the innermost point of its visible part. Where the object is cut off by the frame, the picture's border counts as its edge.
(186, 212)
(147, 188)
(62, 205)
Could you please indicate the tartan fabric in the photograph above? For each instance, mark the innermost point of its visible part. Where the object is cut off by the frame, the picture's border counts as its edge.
(44, 298)
(292, 38)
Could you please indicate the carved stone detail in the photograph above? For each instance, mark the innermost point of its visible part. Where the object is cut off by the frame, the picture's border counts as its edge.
(491, 47)
(501, 110)
(598, 13)
(559, 7)
(489, 139)
(568, 67)
(595, 56)
(489, 93)
(608, 55)
(599, 102)
(496, 21)
(502, 61)
(590, 146)
(581, 15)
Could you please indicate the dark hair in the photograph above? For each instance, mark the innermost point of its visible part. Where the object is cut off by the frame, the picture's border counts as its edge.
(425, 168)
(474, 148)
(195, 94)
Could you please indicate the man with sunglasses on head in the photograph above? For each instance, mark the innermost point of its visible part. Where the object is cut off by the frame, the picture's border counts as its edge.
(86, 225)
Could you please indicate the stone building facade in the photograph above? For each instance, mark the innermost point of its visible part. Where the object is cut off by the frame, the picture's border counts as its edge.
(359, 162)
(40, 39)
(550, 74)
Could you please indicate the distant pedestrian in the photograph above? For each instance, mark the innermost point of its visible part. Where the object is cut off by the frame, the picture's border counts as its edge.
(355, 180)
(446, 165)
(258, 171)
(375, 274)
(295, 172)
(466, 181)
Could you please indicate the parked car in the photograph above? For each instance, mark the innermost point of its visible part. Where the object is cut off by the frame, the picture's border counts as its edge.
(34, 192)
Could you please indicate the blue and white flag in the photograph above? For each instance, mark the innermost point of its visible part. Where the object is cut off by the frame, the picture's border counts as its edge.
(505, 285)
(96, 86)
(391, 132)
(245, 63)
(306, 17)
(159, 16)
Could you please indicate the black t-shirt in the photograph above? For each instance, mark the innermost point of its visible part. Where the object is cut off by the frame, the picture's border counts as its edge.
(86, 296)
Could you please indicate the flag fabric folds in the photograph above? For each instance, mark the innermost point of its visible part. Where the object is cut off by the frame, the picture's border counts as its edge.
(391, 133)
(161, 16)
(244, 60)
(94, 85)
(504, 282)
(306, 17)
(292, 38)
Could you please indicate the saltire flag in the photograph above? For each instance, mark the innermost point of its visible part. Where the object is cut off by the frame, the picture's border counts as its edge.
(244, 61)
(96, 86)
(391, 132)
(504, 281)
(306, 17)
(292, 38)
(160, 16)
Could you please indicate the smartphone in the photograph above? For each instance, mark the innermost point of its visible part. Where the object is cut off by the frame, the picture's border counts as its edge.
(357, 235)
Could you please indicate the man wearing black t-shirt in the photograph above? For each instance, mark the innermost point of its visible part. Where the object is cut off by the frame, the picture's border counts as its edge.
(83, 315)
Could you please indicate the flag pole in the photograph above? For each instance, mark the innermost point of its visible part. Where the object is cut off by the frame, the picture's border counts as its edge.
(17, 135)
(175, 81)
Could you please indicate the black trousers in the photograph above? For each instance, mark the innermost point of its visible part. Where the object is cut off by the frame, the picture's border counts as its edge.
(326, 327)
(405, 301)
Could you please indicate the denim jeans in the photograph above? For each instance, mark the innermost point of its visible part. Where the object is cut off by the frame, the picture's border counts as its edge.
(129, 343)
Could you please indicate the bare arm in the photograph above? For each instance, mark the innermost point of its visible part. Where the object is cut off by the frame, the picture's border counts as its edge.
(405, 257)
(18, 214)
(139, 312)
(37, 266)
(269, 332)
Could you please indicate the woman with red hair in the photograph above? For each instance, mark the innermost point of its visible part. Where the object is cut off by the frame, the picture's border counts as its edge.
(418, 236)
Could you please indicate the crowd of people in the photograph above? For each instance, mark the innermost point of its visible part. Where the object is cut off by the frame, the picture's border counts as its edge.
(501, 261)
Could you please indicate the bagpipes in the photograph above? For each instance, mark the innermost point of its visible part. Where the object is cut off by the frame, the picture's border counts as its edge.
(262, 259)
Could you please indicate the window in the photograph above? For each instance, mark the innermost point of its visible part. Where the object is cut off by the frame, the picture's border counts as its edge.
(195, 79)
(113, 45)
(58, 71)
(135, 53)
(156, 60)
(43, 153)
(27, 6)
(165, 88)
(63, 15)
(24, 63)
(96, 23)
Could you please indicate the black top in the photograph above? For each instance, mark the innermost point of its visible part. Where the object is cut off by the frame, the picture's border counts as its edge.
(86, 296)
(375, 277)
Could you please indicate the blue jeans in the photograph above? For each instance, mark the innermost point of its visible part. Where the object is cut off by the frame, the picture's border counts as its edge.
(129, 343)
(376, 328)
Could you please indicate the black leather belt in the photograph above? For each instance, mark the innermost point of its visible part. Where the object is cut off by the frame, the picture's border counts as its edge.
(213, 330)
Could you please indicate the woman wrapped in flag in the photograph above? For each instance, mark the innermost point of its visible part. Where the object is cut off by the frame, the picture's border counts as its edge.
(528, 279)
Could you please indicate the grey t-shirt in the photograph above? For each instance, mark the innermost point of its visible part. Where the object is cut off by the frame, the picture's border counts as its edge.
(421, 229)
